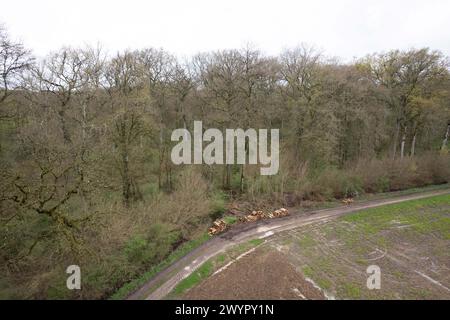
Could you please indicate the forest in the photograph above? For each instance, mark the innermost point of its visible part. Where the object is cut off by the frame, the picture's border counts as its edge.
(85, 144)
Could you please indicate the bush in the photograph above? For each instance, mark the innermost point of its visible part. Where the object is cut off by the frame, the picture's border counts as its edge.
(339, 184)
(106, 276)
(189, 206)
(391, 175)
(138, 250)
(218, 200)
(373, 175)
(437, 167)
(150, 248)
(383, 184)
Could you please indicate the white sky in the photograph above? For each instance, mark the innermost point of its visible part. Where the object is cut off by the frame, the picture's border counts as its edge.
(344, 28)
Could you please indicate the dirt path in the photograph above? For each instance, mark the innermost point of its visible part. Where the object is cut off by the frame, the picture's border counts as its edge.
(166, 280)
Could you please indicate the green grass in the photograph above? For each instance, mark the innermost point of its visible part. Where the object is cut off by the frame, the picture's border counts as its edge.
(230, 219)
(204, 271)
(423, 215)
(256, 242)
(324, 283)
(349, 291)
(308, 271)
(306, 241)
(221, 258)
(180, 252)
(360, 231)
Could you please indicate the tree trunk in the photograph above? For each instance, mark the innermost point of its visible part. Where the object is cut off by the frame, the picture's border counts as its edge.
(227, 184)
(397, 132)
(126, 185)
(161, 158)
(65, 130)
(413, 146)
(242, 179)
(168, 174)
(84, 122)
(447, 134)
(402, 150)
(241, 182)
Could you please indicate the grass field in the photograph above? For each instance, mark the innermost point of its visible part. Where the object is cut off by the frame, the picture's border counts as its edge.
(410, 242)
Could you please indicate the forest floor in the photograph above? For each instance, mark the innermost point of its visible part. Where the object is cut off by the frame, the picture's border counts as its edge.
(332, 251)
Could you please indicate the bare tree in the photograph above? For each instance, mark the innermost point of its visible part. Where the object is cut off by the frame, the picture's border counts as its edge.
(14, 59)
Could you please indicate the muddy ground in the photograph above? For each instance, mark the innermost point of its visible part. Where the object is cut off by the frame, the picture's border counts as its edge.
(262, 274)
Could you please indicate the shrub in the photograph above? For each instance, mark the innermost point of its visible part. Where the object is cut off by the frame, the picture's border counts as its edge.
(149, 248)
(137, 249)
(218, 200)
(436, 166)
(188, 207)
(383, 184)
(373, 174)
(391, 175)
(339, 183)
(101, 278)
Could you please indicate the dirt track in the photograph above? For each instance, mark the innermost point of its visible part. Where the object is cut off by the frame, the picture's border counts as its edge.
(166, 280)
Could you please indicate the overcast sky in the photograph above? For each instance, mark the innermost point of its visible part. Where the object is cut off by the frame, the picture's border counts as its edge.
(344, 28)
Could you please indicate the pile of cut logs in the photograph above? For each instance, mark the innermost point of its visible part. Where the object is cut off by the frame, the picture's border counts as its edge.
(347, 201)
(220, 225)
(258, 215)
(254, 216)
(279, 213)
